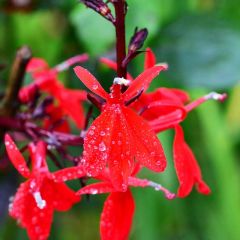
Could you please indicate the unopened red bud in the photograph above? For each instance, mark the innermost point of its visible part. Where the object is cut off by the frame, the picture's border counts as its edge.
(135, 44)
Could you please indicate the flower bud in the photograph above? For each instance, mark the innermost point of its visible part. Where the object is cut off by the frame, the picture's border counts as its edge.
(100, 7)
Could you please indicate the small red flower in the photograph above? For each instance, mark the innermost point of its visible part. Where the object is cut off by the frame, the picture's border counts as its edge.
(119, 137)
(118, 211)
(46, 79)
(43, 192)
(55, 119)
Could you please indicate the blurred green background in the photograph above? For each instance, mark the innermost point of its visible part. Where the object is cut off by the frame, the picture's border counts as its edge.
(200, 39)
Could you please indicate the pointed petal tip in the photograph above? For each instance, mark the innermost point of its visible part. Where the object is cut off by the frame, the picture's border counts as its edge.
(203, 188)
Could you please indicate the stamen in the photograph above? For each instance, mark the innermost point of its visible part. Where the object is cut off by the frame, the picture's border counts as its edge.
(216, 96)
(121, 81)
(71, 61)
(212, 95)
(164, 65)
(39, 201)
(158, 187)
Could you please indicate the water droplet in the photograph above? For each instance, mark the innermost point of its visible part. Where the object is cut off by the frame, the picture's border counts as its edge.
(102, 133)
(32, 184)
(94, 191)
(91, 132)
(124, 187)
(102, 147)
(119, 143)
(158, 163)
(95, 87)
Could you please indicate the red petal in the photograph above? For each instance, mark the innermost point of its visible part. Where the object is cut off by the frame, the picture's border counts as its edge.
(36, 221)
(56, 120)
(117, 215)
(167, 121)
(143, 81)
(187, 168)
(61, 196)
(37, 65)
(148, 149)
(150, 59)
(163, 108)
(108, 141)
(16, 157)
(90, 82)
(67, 174)
(113, 65)
(38, 157)
(96, 143)
(70, 102)
(97, 188)
(121, 155)
(27, 93)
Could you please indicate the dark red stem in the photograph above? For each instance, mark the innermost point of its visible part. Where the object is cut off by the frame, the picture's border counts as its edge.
(120, 36)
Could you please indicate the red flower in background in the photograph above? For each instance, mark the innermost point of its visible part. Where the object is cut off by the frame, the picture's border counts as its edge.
(46, 79)
(43, 192)
(119, 137)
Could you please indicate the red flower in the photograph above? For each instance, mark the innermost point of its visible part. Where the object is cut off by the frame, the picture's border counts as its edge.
(46, 79)
(43, 192)
(119, 136)
(118, 211)
(166, 108)
(55, 119)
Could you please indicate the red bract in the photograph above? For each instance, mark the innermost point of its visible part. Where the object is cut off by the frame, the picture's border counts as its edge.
(119, 136)
(46, 79)
(43, 192)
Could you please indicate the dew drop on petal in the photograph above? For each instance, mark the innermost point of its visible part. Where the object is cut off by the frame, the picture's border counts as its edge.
(102, 133)
(95, 87)
(91, 132)
(102, 147)
(94, 191)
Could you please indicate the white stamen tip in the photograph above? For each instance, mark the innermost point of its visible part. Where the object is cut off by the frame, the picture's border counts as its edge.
(164, 65)
(215, 96)
(62, 66)
(121, 81)
(40, 202)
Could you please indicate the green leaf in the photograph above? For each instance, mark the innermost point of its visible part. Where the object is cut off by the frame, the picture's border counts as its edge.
(202, 51)
(96, 33)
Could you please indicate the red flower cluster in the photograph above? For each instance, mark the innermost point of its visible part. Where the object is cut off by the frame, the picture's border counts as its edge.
(118, 143)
